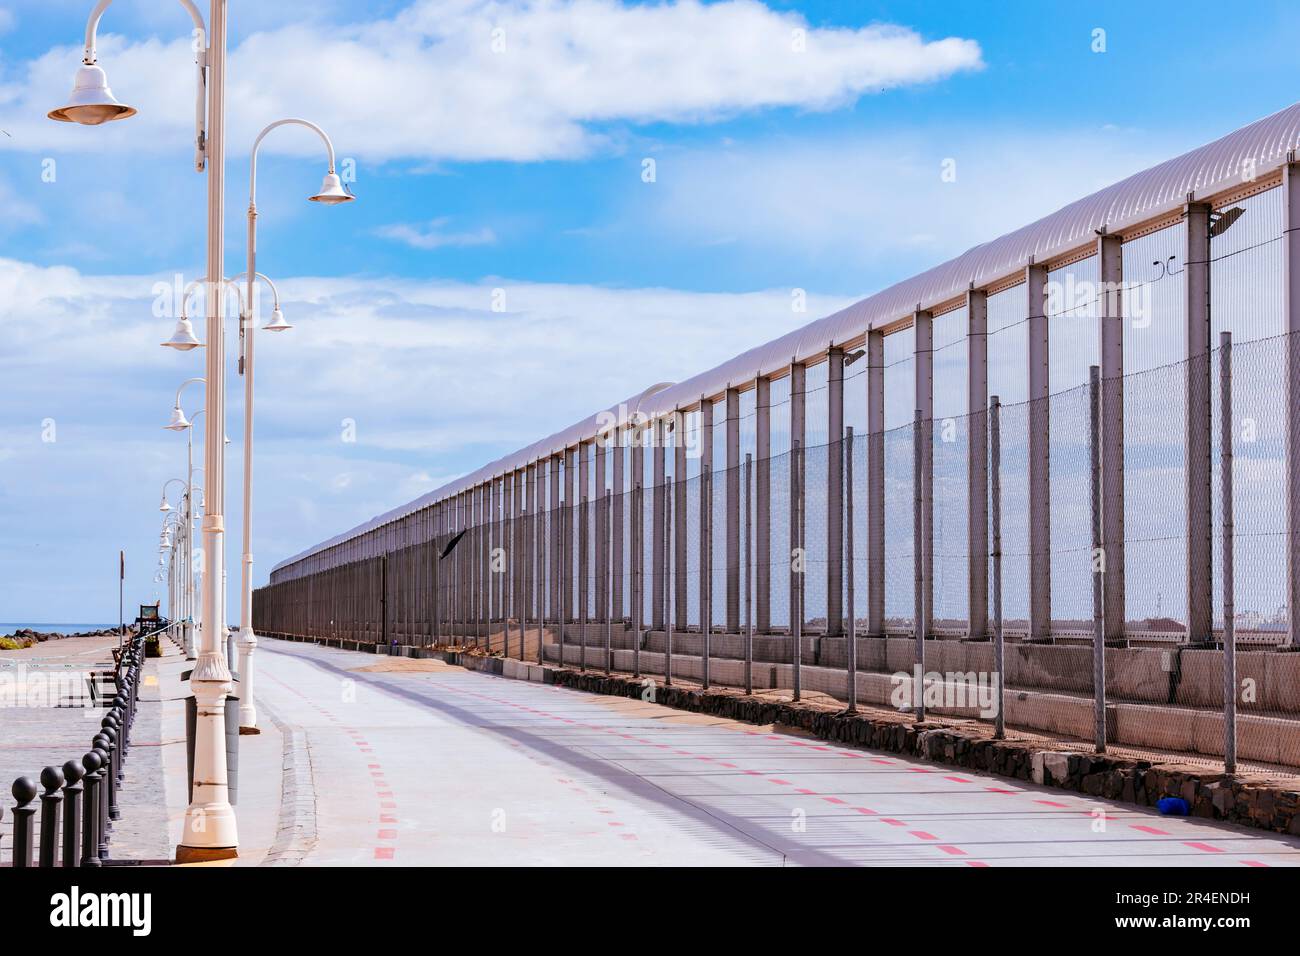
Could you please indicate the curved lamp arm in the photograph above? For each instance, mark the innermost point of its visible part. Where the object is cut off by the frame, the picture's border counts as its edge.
(200, 61)
(331, 192)
(167, 484)
(188, 381)
(92, 28)
(275, 294)
(252, 162)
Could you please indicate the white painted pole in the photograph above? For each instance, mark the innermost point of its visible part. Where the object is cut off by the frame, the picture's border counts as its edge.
(210, 831)
(247, 639)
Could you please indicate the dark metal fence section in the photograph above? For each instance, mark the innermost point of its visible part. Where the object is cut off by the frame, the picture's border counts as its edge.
(78, 802)
(900, 639)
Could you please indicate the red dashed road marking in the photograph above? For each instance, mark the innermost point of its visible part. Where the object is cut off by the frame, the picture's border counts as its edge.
(1254, 863)
(383, 853)
(1051, 803)
(1203, 847)
(1146, 829)
(920, 834)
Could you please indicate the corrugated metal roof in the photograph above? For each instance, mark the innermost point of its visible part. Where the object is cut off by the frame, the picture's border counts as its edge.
(1252, 152)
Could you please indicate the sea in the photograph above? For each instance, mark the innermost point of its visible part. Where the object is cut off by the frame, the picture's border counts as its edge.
(9, 628)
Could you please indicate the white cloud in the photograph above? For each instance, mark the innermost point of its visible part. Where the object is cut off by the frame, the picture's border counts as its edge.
(494, 79)
(431, 235)
(858, 200)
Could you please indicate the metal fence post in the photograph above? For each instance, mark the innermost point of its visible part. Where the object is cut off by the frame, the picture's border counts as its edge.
(995, 531)
(669, 611)
(796, 566)
(918, 562)
(535, 579)
(1229, 571)
(609, 580)
(72, 774)
(584, 587)
(518, 564)
(1098, 561)
(24, 792)
(749, 573)
(851, 648)
(510, 538)
(51, 800)
(706, 575)
(565, 509)
(638, 583)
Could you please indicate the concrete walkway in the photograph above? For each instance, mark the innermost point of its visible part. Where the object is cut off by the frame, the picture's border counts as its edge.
(417, 762)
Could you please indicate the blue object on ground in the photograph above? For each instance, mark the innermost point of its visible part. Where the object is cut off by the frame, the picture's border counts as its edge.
(1173, 806)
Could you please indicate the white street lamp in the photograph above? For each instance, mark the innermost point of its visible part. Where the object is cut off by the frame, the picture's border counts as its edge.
(210, 831)
(93, 103)
(331, 193)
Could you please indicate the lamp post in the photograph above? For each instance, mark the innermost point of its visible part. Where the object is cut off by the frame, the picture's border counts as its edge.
(331, 193)
(171, 521)
(170, 564)
(210, 831)
(179, 423)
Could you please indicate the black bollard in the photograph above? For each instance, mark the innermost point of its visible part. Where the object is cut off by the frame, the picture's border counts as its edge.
(24, 791)
(105, 784)
(72, 774)
(90, 811)
(51, 800)
(114, 777)
(110, 728)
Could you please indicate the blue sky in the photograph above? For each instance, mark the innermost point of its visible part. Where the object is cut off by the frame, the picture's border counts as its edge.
(520, 169)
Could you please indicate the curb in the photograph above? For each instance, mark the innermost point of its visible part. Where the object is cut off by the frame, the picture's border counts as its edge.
(295, 836)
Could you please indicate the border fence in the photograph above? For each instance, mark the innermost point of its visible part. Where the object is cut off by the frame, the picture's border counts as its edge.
(1053, 484)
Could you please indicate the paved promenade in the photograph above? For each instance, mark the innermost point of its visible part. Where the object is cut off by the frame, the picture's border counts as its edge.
(33, 737)
(366, 760)
(419, 762)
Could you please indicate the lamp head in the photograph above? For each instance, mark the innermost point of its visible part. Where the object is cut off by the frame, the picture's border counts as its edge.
(178, 423)
(164, 506)
(91, 102)
(332, 192)
(277, 323)
(183, 338)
